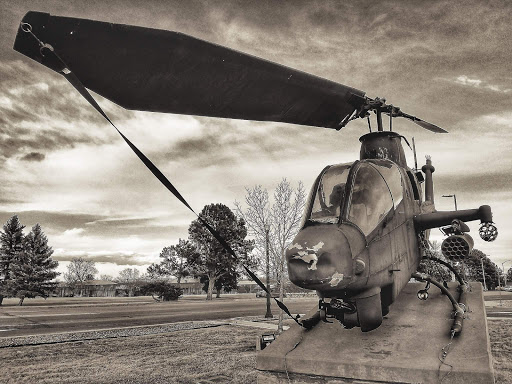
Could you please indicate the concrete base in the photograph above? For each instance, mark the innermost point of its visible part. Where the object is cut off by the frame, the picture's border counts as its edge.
(406, 348)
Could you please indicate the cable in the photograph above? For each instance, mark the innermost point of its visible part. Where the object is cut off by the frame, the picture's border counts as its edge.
(444, 352)
(459, 278)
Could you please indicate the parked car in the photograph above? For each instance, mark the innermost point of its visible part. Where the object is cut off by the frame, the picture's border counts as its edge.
(273, 293)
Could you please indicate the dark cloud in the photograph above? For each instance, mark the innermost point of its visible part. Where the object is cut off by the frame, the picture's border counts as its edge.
(491, 181)
(44, 113)
(148, 227)
(117, 258)
(33, 156)
(57, 221)
(228, 142)
(7, 200)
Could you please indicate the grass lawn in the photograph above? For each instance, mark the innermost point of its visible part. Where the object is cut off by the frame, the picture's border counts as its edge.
(222, 354)
(500, 333)
(176, 357)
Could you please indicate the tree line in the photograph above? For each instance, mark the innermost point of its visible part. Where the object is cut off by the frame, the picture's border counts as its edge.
(81, 271)
(27, 269)
(270, 223)
(470, 268)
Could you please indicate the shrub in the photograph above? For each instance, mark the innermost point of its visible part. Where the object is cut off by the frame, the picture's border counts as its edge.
(161, 290)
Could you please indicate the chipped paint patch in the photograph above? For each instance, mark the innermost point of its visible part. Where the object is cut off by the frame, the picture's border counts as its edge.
(307, 254)
(294, 246)
(336, 279)
(307, 258)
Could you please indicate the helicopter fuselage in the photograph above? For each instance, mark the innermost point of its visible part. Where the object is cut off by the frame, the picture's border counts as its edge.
(358, 239)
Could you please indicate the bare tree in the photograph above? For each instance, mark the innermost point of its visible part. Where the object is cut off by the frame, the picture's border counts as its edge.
(256, 217)
(79, 271)
(130, 278)
(107, 277)
(283, 218)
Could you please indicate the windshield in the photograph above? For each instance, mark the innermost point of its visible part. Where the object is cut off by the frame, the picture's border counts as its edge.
(330, 194)
(371, 199)
(391, 175)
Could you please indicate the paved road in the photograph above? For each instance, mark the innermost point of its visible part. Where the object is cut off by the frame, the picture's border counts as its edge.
(498, 304)
(495, 309)
(91, 314)
(80, 314)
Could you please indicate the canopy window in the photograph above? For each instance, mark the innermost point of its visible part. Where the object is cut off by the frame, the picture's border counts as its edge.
(330, 194)
(393, 178)
(371, 199)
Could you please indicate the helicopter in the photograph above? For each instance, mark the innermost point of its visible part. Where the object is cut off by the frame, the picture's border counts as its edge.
(366, 223)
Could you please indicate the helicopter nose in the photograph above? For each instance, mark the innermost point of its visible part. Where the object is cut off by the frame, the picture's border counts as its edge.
(320, 258)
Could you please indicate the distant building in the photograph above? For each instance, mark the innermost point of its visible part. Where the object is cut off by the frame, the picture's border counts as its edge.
(190, 285)
(249, 286)
(90, 288)
(105, 288)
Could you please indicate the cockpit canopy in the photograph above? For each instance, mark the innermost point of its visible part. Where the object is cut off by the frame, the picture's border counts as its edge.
(363, 193)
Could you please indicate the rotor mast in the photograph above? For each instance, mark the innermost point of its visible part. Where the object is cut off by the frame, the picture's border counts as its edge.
(378, 111)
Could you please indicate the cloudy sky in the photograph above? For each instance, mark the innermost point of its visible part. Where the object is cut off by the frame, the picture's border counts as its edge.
(63, 166)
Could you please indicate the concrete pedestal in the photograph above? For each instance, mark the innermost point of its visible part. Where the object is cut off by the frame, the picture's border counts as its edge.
(406, 348)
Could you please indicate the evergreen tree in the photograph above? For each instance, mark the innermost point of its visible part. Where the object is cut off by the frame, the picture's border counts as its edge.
(11, 244)
(432, 268)
(33, 269)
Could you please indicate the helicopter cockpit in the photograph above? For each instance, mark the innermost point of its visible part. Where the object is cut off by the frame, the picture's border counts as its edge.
(364, 193)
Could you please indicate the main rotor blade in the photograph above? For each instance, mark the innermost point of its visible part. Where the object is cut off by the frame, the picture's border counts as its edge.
(164, 71)
(430, 126)
(423, 123)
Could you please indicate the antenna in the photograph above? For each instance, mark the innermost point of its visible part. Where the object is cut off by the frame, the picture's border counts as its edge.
(391, 119)
(415, 158)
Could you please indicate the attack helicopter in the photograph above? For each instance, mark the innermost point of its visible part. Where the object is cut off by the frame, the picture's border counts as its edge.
(366, 223)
